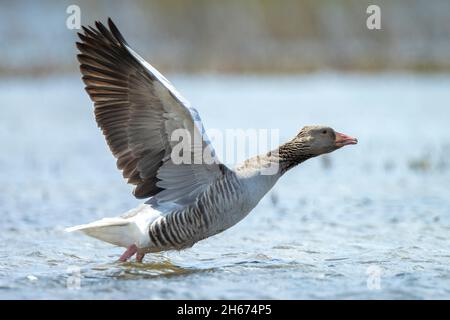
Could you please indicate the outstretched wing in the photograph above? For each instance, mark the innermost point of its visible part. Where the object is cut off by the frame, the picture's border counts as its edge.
(138, 111)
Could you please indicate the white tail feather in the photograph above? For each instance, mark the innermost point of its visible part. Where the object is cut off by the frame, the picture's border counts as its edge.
(118, 231)
(124, 231)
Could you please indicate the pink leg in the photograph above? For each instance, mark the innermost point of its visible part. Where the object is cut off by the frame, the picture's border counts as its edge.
(139, 257)
(128, 254)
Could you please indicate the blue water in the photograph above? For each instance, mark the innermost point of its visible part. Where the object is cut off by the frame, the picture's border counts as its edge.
(368, 221)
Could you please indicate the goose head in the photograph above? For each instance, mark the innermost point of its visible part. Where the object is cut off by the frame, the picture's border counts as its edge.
(317, 140)
(310, 142)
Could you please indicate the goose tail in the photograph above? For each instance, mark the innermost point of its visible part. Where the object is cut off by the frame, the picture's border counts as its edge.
(118, 231)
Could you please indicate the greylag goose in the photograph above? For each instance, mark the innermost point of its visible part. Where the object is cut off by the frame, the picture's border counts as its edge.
(138, 110)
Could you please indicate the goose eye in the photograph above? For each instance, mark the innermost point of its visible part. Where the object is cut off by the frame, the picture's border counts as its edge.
(324, 132)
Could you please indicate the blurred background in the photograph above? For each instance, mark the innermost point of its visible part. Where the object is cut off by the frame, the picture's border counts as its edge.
(368, 221)
(254, 36)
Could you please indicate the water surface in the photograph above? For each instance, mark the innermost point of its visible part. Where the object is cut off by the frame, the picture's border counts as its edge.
(369, 221)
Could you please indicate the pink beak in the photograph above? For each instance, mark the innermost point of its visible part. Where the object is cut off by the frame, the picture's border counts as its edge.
(343, 140)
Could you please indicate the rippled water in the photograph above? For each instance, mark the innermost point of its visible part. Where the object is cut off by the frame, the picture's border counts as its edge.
(369, 221)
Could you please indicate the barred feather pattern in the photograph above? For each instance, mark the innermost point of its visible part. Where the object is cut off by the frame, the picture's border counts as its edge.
(205, 217)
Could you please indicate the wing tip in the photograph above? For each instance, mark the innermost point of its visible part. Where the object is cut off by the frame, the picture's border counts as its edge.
(101, 29)
(115, 31)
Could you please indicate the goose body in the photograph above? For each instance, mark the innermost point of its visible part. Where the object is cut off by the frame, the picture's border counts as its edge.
(140, 112)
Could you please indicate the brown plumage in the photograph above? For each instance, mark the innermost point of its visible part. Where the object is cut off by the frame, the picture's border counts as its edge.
(117, 85)
(132, 103)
